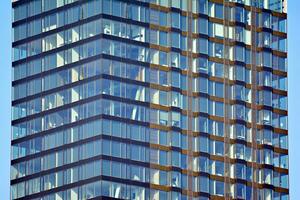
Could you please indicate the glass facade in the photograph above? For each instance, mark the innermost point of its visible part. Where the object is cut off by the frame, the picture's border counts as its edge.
(149, 99)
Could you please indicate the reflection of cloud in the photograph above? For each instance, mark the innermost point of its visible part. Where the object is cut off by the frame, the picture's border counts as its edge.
(284, 6)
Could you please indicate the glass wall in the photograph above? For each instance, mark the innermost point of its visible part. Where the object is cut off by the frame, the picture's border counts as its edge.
(149, 99)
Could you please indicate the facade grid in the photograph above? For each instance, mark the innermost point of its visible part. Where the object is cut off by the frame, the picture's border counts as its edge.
(149, 100)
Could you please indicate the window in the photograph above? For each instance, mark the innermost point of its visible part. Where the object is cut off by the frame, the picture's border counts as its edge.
(203, 164)
(163, 40)
(218, 168)
(117, 8)
(203, 142)
(203, 84)
(175, 136)
(163, 58)
(265, 19)
(219, 109)
(204, 184)
(202, 4)
(163, 157)
(202, 121)
(175, 60)
(240, 131)
(202, 65)
(218, 188)
(175, 79)
(176, 3)
(240, 190)
(163, 18)
(176, 157)
(219, 89)
(216, 69)
(282, 25)
(218, 148)
(239, 73)
(116, 149)
(203, 45)
(106, 7)
(163, 138)
(219, 11)
(203, 104)
(203, 26)
(239, 34)
(218, 30)
(267, 59)
(239, 14)
(175, 20)
(163, 118)
(176, 179)
(283, 141)
(20, 12)
(175, 40)
(239, 53)
(216, 50)
(176, 119)
(51, 4)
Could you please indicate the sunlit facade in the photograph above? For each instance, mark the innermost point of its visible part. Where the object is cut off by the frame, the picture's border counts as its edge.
(149, 100)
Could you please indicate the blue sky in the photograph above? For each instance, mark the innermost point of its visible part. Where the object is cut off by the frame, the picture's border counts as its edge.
(294, 95)
(5, 73)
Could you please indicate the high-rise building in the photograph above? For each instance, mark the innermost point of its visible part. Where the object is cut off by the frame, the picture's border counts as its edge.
(149, 100)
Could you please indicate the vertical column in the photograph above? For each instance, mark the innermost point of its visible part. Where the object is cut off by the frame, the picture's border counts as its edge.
(227, 105)
(190, 90)
(253, 99)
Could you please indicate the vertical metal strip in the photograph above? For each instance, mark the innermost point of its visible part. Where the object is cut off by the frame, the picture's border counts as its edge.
(254, 149)
(152, 156)
(226, 11)
(190, 90)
